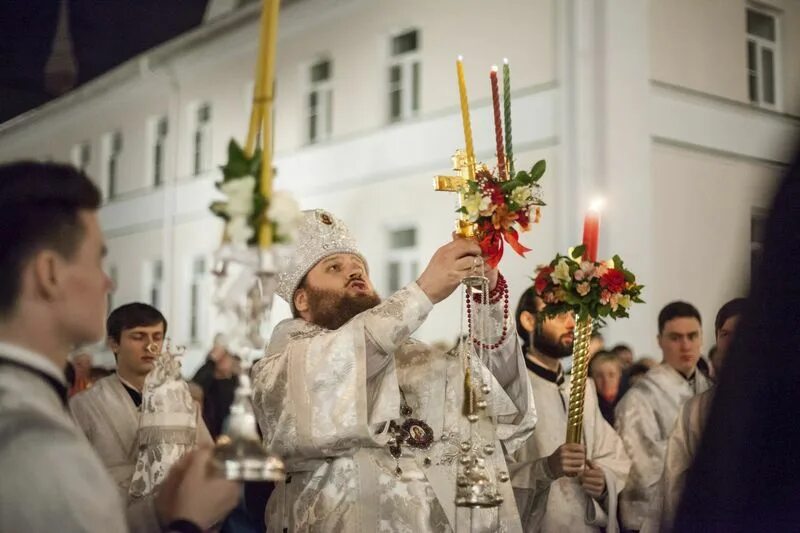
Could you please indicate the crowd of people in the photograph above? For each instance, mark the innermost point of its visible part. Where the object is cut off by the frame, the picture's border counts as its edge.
(374, 425)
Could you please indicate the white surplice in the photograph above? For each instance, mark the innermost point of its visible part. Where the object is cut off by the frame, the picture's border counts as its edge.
(110, 420)
(645, 417)
(328, 419)
(51, 478)
(555, 505)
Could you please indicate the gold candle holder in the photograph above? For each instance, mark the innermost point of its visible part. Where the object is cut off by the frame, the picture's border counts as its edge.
(580, 368)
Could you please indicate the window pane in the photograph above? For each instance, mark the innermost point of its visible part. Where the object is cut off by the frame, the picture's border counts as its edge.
(752, 64)
(321, 71)
(204, 113)
(753, 87)
(112, 177)
(198, 151)
(404, 43)
(199, 266)
(329, 113)
(404, 238)
(415, 87)
(395, 93)
(394, 276)
(312, 128)
(157, 164)
(312, 116)
(86, 154)
(194, 304)
(761, 25)
(768, 72)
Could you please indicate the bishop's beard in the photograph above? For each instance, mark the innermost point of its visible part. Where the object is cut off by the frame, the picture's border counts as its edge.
(547, 345)
(332, 309)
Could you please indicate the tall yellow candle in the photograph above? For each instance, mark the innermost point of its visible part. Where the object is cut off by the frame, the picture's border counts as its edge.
(265, 234)
(462, 91)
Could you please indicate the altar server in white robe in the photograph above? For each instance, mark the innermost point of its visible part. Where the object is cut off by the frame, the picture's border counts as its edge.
(109, 412)
(558, 486)
(647, 413)
(685, 437)
(344, 373)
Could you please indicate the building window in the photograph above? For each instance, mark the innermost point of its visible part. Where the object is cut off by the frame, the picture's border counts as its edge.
(196, 300)
(82, 155)
(202, 139)
(403, 263)
(160, 127)
(112, 167)
(320, 101)
(404, 76)
(156, 280)
(762, 58)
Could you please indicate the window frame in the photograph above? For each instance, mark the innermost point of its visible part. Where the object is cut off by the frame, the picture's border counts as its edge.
(761, 43)
(409, 64)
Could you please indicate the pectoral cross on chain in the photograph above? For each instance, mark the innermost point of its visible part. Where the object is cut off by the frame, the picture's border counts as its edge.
(459, 184)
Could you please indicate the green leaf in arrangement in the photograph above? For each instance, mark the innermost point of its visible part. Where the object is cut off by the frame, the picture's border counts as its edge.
(462, 209)
(538, 170)
(508, 186)
(523, 177)
(578, 251)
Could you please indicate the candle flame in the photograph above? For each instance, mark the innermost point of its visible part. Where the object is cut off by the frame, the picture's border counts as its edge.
(461, 58)
(494, 68)
(505, 60)
(597, 204)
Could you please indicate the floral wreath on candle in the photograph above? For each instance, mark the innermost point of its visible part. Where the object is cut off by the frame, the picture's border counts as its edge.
(246, 207)
(596, 289)
(499, 209)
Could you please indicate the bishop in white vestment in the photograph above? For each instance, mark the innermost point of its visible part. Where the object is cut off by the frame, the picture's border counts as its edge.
(327, 398)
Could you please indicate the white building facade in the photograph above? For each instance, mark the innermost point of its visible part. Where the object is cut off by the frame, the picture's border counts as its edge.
(681, 114)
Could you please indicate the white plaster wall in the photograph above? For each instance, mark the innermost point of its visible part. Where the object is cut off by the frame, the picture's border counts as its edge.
(702, 229)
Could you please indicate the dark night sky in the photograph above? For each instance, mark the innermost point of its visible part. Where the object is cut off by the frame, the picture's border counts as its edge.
(104, 32)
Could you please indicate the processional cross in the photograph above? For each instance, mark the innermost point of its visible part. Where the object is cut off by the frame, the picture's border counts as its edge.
(459, 184)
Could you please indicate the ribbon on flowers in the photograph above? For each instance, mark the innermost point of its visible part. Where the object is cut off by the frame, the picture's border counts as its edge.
(491, 244)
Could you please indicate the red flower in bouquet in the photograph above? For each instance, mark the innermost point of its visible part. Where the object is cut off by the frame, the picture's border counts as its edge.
(613, 280)
(542, 279)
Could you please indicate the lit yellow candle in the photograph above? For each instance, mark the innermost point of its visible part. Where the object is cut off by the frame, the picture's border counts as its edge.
(462, 91)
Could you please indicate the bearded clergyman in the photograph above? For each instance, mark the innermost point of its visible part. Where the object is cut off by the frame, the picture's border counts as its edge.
(370, 420)
(563, 486)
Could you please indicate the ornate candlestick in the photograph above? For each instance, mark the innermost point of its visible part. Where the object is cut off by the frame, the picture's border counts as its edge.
(580, 367)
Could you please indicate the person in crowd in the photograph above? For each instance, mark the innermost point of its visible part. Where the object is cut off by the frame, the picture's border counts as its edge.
(53, 298)
(645, 415)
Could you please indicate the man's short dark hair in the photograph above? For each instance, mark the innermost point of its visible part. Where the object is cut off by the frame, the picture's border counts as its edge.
(730, 309)
(39, 205)
(621, 347)
(131, 316)
(674, 310)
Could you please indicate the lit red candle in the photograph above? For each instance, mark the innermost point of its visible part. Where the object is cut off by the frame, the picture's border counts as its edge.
(591, 231)
(498, 125)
